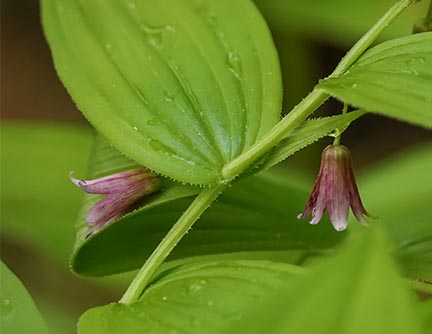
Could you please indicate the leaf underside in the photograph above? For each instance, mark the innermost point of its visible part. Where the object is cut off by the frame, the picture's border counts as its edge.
(394, 79)
(181, 87)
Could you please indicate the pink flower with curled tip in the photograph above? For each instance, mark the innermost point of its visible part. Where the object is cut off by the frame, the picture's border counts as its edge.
(122, 189)
(335, 190)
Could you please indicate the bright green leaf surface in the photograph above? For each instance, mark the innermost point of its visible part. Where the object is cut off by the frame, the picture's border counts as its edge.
(38, 204)
(333, 20)
(257, 214)
(181, 87)
(399, 191)
(357, 292)
(427, 315)
(393, 78)
(19, 314)
(192, 299)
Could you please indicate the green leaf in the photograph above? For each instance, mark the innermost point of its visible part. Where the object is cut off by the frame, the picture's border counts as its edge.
(393, 78)
(38, 203)
(427, 312)
(19, 314)
(181, 87)
(399, 191)
(356, 292)
(256, 214)
(306, 134)
(192, 299)
(332, 20)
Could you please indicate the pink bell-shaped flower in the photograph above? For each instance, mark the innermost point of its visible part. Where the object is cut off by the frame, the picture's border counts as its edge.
(122, 191)
(335, 190)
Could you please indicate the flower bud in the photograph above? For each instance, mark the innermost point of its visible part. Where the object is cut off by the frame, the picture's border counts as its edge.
(123, 190)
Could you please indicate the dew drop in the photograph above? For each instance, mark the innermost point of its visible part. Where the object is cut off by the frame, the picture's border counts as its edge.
(197, 286)
(170, 28)
(158, 146)
(233, 63)
(354, 86)
(190, 162)
(135, 128)
(155, 35)
(168, 96)
(6, 307)
(151, 122)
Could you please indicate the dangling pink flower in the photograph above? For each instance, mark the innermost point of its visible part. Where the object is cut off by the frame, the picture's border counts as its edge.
(335, 190)
(122, 189)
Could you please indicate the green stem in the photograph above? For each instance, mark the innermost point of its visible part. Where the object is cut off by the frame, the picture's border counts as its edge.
(307, 106)
(177, 232)
(357, 50)
(314, 100)
(339, 132)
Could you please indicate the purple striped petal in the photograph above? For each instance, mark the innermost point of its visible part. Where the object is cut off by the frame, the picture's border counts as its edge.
(111, 206)
(335, 190)
(123, 190)
(112, 183)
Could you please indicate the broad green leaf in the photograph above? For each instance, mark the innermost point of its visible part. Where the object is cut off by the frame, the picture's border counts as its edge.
(19, 314)
(305, 134)
(393, 79)
(399, 191)
(333, 20)
(427, 315)
(257, 214)
(356, 292)
(192, 299)
(181, 87)
(38, 204)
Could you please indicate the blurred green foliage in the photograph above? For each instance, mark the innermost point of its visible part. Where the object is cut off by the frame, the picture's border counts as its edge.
(39, 206)
(19, 314)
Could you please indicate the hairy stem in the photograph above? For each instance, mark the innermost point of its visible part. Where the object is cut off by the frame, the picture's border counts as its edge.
(339, 132)
(306, 107)
(177, 232)
(314, 100)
